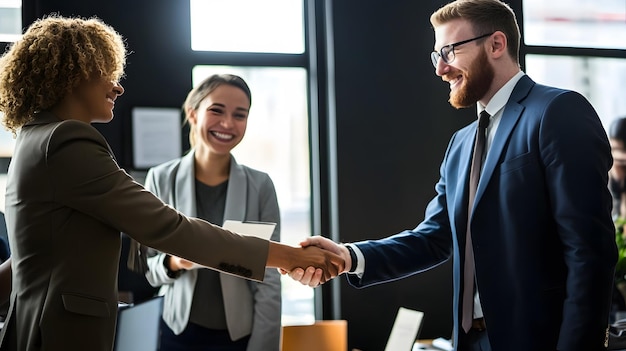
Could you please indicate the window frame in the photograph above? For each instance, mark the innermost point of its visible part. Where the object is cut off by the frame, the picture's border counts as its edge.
(315, 60)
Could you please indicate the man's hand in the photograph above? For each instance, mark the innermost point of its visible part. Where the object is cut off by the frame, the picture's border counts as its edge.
(312, 276)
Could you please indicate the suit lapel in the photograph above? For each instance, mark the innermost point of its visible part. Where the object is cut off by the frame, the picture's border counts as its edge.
(185, 187)
(237, 300)
(236, 193)
(512, 112)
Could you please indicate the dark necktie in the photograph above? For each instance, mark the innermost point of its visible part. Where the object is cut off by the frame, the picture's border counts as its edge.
(468, 270)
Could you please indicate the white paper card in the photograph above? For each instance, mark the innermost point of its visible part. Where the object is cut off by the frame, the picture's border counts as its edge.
(405, 329)
(261, 230)
(156, 135)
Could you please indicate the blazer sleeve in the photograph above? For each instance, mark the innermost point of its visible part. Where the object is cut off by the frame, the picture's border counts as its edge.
(266, 324)
(97, 187)
(574, 154)
(156, 274)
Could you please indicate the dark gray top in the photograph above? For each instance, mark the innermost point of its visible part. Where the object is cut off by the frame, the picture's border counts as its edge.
(207, 307)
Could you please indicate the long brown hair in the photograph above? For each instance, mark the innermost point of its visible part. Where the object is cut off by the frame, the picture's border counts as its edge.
(206, 87)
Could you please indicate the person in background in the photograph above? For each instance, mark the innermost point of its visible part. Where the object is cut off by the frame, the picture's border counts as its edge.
(5, 268)
(133, 287)
(617, 186)
(5, 281)
(617, 175)
(67, 200)
(206, 310)
(533, 244)
(5, 251)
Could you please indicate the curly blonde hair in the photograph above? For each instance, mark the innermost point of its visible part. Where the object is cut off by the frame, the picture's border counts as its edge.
(54, 56)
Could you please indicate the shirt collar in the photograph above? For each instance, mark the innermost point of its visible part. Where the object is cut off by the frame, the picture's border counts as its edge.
(501, 97)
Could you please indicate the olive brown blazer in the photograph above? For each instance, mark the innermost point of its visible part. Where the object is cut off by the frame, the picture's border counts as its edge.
(67, 201)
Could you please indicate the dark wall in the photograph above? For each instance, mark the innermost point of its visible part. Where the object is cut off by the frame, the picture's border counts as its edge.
(393, 126)
(158, 72)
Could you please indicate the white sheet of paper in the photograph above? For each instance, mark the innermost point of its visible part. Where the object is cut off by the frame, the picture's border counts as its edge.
(156, 135)
(405, 329)
(261, 230)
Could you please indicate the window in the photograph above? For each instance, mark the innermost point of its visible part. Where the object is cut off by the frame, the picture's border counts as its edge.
(587, 37)
(606, 95)
(7, 142)
(270, 26)
(10, 20)
(277, 142)
(10, 31)
(264, 44)
(575, 23)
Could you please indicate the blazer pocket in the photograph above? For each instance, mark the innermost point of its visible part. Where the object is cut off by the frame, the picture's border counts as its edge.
(517, 162)
(85, 305)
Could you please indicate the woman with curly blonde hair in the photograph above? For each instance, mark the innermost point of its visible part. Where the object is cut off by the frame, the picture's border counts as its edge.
(67, 200)
(75, 49)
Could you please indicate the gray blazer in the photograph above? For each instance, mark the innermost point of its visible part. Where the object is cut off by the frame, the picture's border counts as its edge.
(67, 201)
(251, 307)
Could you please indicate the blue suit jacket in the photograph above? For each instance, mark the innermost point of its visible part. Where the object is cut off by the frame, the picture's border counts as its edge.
(541, 227)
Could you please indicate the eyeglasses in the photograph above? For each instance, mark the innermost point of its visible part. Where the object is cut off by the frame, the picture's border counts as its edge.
(447, 52)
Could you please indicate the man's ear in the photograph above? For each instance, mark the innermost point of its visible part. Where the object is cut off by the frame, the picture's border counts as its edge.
(498, 44)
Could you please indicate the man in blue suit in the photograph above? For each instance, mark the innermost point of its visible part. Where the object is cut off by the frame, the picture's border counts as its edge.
(542, 236)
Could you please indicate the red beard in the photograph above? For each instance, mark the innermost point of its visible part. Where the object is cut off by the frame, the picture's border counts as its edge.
(476, 82)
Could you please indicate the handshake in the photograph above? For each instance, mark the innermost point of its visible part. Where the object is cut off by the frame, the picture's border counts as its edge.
(317, 261)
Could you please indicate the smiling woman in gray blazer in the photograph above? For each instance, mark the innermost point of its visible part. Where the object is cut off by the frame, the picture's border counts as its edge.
(204, 309)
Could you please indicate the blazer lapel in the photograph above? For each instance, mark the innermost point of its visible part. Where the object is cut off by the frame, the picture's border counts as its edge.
(463, 181)
(236, 193)
(237, 297)
(512, 112)
(185, 188)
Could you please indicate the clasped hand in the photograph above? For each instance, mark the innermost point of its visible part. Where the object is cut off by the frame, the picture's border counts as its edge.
(312, 276)
(315, 262)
